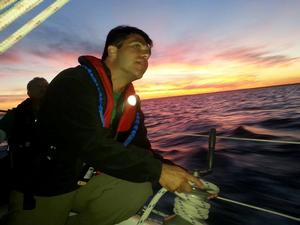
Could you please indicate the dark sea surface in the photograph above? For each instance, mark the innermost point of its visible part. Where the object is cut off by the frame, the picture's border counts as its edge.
(263, 174)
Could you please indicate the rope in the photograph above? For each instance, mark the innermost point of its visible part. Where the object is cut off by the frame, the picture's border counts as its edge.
(259, 208)
(6, 3)
(31, 24)
(192, 207)
(231, 138)
(16, 11)
(151, 205)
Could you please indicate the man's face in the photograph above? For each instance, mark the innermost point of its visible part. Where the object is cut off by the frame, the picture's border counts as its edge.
(132, 56)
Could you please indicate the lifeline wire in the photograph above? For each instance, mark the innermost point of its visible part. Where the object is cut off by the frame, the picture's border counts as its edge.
(259, 208)
(230, 138)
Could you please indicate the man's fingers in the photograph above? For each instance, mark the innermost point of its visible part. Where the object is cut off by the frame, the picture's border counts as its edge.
(171, 189)
(174, 178)
(196, 181)
(184, 187)
(212, 196)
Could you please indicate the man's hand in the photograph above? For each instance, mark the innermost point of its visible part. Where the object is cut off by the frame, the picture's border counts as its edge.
(174, 178)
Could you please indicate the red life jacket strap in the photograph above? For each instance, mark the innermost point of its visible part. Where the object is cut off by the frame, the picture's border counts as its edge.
(129, 112)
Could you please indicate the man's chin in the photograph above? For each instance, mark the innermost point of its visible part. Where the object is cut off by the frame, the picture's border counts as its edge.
(139, 75)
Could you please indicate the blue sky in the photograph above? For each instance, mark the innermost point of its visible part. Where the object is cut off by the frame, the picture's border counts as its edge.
(199, 45)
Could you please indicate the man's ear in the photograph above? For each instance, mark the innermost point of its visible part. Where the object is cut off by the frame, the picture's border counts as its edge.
(112, 51)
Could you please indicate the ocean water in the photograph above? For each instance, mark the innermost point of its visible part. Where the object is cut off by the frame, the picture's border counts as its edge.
(262, 174)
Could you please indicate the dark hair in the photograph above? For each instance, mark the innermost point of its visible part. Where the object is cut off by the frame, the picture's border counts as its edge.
(119, 34)
(36, 88)
(36, 82)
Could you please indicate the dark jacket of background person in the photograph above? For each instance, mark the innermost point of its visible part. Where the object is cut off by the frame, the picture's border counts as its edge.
(71, 135)
(21, 132)
(20, 127)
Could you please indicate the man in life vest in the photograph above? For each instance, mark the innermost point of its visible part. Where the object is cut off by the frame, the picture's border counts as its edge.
(18, 127)
(97, 160)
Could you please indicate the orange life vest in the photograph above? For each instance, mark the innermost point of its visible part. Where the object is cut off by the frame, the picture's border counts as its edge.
(129, 119)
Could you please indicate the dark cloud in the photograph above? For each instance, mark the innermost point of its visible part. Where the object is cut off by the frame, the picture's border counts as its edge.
(50, 41)
(53, 40)
(256, 56)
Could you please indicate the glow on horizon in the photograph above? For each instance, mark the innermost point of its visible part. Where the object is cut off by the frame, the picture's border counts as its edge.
(215, 77)
(163, 80)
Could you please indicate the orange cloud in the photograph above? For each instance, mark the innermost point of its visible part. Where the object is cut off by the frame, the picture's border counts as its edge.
(220, 75)
(10, 101)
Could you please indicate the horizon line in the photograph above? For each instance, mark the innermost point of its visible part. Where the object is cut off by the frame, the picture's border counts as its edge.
(216, 92)
(174, 96)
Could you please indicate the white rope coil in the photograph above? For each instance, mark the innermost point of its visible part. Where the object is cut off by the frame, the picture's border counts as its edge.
(192, 207)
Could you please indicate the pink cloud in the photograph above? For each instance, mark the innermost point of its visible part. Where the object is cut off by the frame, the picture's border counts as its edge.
(203, 50)
(11, 57)
(188, 50)
(20, 63)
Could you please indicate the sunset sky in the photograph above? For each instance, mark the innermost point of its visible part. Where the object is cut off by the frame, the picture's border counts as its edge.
(200, 46)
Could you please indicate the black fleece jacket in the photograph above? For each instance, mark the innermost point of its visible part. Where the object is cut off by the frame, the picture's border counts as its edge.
(71, 134)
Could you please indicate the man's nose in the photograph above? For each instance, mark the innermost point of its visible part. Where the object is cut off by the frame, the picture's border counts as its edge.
(146, 54)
